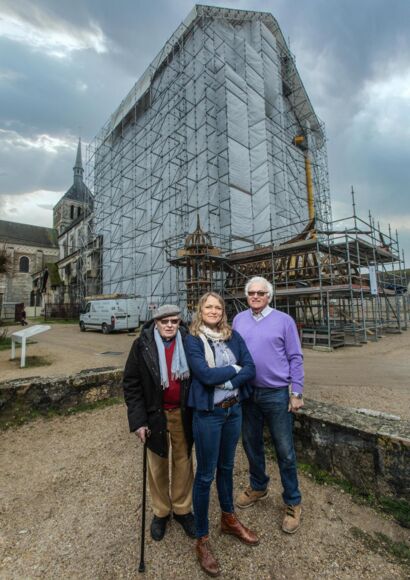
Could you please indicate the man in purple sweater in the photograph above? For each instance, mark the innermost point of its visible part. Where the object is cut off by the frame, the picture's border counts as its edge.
(273, 341)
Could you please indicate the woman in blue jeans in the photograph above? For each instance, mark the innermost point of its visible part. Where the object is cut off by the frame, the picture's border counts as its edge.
(221, 368)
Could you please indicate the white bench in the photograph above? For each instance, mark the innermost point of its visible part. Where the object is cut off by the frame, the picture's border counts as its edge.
(21, 336)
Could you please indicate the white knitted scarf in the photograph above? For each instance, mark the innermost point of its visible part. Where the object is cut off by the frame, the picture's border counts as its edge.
(205, 334)
(179, 365)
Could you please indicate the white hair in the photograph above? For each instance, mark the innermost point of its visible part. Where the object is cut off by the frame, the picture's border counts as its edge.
(260, 280)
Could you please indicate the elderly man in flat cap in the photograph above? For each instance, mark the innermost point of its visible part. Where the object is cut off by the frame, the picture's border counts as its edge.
(156, 383)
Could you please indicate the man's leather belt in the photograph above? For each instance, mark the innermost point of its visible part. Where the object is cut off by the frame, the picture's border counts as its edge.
(226, 403)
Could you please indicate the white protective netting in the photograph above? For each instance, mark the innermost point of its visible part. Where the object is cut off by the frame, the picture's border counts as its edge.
(207, 131)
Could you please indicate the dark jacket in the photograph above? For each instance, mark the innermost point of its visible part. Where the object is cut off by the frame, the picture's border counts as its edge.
(204, 378)
(143, 392)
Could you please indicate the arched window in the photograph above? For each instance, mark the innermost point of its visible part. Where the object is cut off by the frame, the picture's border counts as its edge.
(71, 211)
(78, 211)
(24, 264)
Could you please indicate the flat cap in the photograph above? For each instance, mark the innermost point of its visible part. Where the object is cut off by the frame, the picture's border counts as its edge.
(167, 310)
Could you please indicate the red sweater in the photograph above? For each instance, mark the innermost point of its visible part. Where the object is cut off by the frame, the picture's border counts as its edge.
(172, 395)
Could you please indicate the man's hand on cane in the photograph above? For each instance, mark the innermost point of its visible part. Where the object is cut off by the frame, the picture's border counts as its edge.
(143, 433)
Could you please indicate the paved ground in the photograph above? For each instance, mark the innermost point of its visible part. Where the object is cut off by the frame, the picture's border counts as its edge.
(375, 376)
(70, 509)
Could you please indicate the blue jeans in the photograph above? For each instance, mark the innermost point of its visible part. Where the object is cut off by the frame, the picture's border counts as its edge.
(270, 405)
(216, 435)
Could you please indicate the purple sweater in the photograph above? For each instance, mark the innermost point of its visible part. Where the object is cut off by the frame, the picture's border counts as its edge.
(274, 345)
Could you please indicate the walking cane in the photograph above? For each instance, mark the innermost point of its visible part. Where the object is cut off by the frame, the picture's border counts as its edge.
(141, 567)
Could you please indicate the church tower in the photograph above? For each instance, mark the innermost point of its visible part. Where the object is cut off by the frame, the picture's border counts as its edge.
(78, 167)
(76, 202)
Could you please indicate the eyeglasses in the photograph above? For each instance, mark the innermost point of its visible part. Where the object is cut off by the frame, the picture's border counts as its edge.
(166, 321)
(257, 293)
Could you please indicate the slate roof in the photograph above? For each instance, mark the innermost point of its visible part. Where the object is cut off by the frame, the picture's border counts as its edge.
(14, 233)
(79, 192)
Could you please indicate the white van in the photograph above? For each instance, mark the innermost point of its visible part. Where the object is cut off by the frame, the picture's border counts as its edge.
(109, 315)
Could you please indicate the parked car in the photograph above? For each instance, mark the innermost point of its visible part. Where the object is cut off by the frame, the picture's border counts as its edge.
(109, 315)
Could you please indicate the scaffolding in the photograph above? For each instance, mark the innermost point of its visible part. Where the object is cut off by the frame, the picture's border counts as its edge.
(219, 126)
(344, 285)
(214, 169)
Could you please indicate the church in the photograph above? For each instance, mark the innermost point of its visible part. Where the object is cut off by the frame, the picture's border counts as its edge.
(44, 266)
(27, 249)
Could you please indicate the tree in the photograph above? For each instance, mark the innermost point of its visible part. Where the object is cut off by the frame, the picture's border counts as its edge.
(5, 262)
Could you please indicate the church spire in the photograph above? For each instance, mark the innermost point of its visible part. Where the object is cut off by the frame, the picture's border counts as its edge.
(78, 167)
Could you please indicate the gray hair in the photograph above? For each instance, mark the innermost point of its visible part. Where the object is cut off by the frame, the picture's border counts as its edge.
(260, 280)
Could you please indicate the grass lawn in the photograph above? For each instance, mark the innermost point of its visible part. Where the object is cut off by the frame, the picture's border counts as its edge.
(34, 361)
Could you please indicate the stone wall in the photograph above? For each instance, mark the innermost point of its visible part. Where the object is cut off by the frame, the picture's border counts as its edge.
(20, 284)
(371, 452)
(20, 397)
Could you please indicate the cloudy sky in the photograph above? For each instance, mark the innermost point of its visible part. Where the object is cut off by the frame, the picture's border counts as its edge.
(65, 65)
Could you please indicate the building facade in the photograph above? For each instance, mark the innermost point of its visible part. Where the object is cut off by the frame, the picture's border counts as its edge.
(29, 250)
(220, 127)
(61, 287)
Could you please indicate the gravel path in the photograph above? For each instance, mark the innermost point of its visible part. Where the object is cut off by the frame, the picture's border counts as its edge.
(70, 508)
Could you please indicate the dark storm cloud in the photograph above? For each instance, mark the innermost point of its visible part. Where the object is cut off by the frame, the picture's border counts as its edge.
(354, 59)
(60, 88)
(357, 36)
(58, 95)
(134, 31)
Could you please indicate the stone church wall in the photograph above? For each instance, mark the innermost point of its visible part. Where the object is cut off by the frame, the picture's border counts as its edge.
(19, 284)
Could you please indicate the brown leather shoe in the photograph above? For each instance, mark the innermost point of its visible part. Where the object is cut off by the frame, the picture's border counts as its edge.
(205, 557)
(231, 525)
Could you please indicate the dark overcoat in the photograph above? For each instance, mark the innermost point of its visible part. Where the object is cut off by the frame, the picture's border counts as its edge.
(144, 394)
